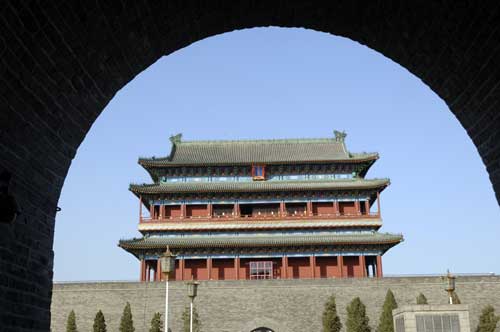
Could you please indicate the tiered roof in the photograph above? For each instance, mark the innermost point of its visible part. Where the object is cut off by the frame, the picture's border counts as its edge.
(257, 186)
(257, 240)
(258, 233)
(242, 152)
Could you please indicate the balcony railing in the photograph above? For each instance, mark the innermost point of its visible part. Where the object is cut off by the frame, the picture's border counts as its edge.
(272, 216)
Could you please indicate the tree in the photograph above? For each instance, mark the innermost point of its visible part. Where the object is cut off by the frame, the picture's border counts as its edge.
(455, 298)
(421, 299)
(127, 323)
(386, 323)
(487, 320)
(331, 321)
(71, 324)
(156, 323)
(357, 321)
(196, 320)
(99, 322)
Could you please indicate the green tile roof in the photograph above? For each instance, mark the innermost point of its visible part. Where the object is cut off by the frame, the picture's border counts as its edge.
(257, 186)
(214, 241)
(206, 153)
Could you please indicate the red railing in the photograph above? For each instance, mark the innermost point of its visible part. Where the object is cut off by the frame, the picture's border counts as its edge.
(277, 216)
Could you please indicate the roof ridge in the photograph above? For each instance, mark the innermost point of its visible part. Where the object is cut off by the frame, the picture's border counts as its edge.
(266, 141)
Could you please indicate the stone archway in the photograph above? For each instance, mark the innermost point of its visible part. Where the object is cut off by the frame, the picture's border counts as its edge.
(262, 329)
(62, 62)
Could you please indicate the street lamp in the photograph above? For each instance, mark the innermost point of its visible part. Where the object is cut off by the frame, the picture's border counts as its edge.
(450, 286)
(167, 262)
(192, 292)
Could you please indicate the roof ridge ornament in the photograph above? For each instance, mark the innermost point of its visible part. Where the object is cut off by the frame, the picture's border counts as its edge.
(340, 135)
(176, 139)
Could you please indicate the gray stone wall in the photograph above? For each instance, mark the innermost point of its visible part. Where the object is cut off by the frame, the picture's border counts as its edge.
(282, 305)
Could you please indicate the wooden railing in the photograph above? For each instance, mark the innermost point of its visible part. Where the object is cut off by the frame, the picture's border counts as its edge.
(249, 218)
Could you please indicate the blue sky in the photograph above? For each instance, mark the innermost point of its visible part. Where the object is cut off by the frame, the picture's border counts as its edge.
(284, 83)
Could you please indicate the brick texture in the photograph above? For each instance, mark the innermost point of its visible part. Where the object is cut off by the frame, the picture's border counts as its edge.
(241, 306)
(62, 61)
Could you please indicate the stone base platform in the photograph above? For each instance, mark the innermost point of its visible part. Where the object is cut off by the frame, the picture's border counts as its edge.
(244, 305)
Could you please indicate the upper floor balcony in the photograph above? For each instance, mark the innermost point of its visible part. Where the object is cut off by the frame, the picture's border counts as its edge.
(262, 211)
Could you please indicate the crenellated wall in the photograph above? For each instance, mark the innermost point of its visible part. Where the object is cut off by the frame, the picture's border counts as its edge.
(241, 306)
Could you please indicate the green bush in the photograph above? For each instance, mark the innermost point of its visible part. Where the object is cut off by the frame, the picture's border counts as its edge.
(357, 321)
(196, 320)
(421, 299)
(99, 322)
(71, 323)
(487, 320)
(331, 321)
(156, 323)
(386, 323)
(127, 323)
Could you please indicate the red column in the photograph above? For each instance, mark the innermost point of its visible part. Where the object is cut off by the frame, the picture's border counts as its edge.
(282, 209)
(209, 210)
(284, 267)
(367, 206)
(183, 210)
(143, 271)
(358, 207)
(337, 209)
(181, 267)
(379, 267)
(309, 208)
(312, 264)
(340, 263)
(378, 203)
(362, 262)
(162, 211)
(158, 270)
(237, 267)
(209, 268)
(152, 211)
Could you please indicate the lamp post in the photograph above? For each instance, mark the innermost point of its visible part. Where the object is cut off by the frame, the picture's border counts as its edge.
(450, 286)
(167, 261)
(192, 292)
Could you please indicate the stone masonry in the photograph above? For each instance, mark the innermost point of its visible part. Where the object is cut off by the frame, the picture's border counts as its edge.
(241, 306)
(407, 316)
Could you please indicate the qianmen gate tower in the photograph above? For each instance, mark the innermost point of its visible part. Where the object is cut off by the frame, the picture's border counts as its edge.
(261, 209)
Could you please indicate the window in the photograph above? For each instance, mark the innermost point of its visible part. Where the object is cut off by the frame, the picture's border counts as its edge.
(258, 172)
(261, 270)
(438, 323)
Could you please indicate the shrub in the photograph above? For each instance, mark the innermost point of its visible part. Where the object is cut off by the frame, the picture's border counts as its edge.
(455, 298)
(357, 321)
(127, 323)
(331, 321)
(421, 299)
(71, 323)
(386, 323)
(156, 323)
(487, 320)
(196, 320)
(99, 322)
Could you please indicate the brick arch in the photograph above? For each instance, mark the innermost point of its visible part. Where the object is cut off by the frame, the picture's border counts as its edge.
(62, 62)
(262, 329)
